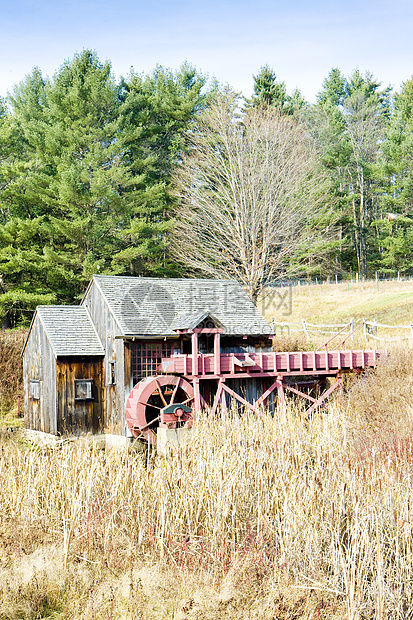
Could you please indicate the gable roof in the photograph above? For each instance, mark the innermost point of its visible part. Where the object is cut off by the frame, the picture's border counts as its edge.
(156, 306)
(69, 330)
(191, 320)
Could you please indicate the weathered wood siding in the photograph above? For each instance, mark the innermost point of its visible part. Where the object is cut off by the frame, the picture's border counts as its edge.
(39, 364)
(115, 395)
(79, 416)
(127, 368)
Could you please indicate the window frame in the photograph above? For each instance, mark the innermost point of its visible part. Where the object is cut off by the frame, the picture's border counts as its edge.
(34, 387)
(90, 394)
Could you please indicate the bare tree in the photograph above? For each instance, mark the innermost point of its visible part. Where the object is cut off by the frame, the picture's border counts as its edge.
(252, 196)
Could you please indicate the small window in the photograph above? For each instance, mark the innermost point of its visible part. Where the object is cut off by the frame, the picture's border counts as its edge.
(112, 373)
(83, 389)
(34, 389)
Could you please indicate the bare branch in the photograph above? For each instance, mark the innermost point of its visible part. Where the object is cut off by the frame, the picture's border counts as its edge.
(252, 196)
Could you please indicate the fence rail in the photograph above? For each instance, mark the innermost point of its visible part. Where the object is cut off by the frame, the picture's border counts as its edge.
(371, 329)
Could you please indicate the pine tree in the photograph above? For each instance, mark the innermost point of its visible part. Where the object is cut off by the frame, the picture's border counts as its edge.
(156, 111)
(355, 112)
(72, 190)
(267, 91)
(270, 92)
(85, 167)
(395, 228)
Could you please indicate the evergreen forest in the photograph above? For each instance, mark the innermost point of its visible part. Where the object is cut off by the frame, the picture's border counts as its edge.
(88, 162)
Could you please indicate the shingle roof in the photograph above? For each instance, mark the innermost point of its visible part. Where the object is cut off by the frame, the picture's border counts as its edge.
(155, 306)
(70, 330)
(190, 320)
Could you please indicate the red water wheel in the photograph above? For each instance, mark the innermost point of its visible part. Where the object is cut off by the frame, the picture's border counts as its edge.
(149, 397)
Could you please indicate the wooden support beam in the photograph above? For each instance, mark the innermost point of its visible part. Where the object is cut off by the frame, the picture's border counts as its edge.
(323, 396)
(194, 342)
(247, 361)
(237, 397)
(197, 395)
(216, 399)
(223, 400)
(302, 394)
(281, 395)
(217, 353)
(264, 397)
(203, 401)
(208, 330)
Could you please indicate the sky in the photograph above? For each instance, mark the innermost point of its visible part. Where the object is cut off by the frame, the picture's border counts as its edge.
(302, 40)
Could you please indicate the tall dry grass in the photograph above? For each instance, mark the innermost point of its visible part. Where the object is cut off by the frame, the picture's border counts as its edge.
(11, 368)
(271, 518)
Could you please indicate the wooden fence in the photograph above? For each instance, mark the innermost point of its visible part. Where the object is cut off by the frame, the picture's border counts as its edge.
(371, 329)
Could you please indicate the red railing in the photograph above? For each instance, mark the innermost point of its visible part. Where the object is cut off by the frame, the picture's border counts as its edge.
(271, 363)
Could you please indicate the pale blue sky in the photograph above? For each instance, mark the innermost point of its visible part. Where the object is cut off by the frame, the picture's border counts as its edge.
(302, 40)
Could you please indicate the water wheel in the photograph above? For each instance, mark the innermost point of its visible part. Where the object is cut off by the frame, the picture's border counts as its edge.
(164, 400)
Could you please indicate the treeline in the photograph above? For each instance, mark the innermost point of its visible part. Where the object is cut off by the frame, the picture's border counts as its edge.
(86, 168)
(364, 135)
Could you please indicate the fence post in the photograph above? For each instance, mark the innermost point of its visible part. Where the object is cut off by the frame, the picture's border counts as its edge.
(365, 330)
(352, 328)
(305, 329)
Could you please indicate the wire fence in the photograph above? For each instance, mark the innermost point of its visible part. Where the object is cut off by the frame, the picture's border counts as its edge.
(342, 279)
(371, 329)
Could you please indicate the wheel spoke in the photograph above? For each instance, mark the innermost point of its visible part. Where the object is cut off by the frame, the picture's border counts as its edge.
(149, 423)
(150, 405)
(160, 393)
(175, 391)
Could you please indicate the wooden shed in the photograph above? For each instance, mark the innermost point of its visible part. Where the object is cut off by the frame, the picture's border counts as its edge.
(82, 362)
(62, 366)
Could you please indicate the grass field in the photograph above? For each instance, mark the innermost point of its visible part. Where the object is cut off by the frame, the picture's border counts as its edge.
(388, 302)
(391, 302)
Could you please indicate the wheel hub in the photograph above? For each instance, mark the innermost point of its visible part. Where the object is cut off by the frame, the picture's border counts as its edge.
(177, 414)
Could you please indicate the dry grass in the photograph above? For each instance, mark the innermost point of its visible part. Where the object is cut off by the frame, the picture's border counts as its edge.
(272, 518)
(391, 303)
(11, 372)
